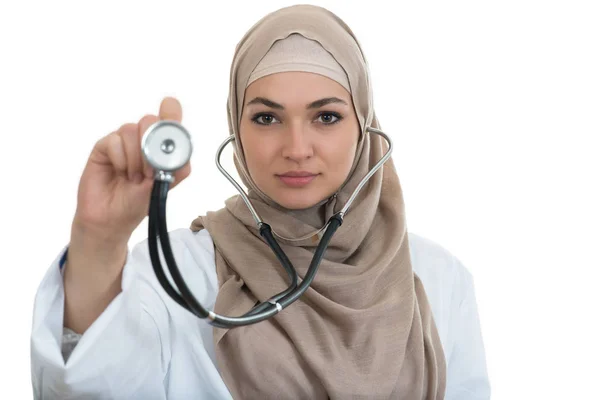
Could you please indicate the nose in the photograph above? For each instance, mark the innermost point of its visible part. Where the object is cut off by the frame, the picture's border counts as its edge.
(297, 145)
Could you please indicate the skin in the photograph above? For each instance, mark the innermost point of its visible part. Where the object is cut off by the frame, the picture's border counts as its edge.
(280, 131)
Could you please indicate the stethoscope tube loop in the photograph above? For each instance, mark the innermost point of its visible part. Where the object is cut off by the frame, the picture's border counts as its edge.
(157, 231)
(368, 176)
(255, 215)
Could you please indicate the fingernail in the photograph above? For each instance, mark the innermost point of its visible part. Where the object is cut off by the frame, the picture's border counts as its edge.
(138, 177)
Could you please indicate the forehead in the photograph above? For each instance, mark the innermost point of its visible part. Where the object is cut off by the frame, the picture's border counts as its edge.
(296, 87)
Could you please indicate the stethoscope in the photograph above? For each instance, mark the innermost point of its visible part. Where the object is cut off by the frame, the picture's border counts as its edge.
(167, 146)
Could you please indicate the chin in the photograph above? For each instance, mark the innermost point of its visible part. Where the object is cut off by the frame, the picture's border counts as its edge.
(296, 201)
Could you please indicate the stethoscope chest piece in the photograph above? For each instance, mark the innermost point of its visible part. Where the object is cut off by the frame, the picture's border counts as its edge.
(167, 146)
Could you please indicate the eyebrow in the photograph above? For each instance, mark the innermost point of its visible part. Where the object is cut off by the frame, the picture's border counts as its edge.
(315, 104)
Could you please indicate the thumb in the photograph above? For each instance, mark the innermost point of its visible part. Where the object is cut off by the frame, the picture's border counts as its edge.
(170, 109)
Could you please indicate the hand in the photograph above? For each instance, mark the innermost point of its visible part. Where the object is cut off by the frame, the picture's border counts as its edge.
(115, 187)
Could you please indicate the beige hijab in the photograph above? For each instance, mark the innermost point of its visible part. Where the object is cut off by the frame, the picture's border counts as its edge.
(364, 329)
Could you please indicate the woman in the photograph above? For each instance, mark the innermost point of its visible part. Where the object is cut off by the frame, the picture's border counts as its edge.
(389, 314)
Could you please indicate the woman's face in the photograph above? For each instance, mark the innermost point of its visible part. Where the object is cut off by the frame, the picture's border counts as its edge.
(299, 133)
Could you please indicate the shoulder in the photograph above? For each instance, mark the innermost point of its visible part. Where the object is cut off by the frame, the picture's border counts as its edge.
(185, 244)
(195, 258)
(431, 260)
(200, 244)
(436, 266)
(446, 280)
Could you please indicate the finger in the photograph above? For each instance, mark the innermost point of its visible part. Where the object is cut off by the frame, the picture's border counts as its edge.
(131, 144)
(170, 109)
(145, 122)
(110, 149)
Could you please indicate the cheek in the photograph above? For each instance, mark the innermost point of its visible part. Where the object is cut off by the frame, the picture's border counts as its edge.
(247, 140)
(341, 155)
(258, 153)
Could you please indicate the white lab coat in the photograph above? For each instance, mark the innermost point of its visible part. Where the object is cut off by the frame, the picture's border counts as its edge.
(145, 346)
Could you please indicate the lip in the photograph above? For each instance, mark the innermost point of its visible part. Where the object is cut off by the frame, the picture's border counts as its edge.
(297, 178)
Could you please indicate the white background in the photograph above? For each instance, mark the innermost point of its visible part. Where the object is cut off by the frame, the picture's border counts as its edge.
(495, 112)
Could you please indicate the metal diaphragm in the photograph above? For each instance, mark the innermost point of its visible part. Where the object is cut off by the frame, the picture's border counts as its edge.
(167, 146)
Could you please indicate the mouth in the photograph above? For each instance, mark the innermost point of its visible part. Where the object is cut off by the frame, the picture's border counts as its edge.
(297, 179)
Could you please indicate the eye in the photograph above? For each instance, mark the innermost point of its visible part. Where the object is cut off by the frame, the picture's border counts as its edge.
(264, 119)
(329, 118)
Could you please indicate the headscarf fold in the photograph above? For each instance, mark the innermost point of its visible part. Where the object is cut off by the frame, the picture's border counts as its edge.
(364, 329)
